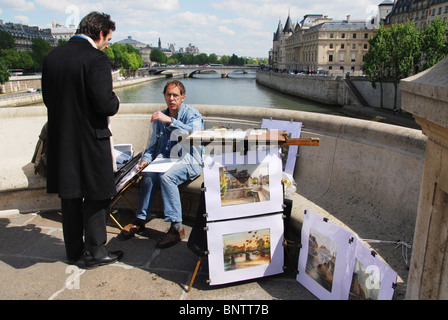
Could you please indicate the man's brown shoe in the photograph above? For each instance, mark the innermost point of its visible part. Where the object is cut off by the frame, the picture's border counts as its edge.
(131, 229)
(170, 238)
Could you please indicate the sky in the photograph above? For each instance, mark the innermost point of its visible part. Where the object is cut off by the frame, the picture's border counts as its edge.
(223, 27)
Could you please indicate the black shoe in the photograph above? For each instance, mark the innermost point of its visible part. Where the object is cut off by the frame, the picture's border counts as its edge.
(170, 238)
(110, 258)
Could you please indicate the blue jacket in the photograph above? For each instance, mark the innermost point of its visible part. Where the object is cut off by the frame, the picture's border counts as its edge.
(188, 120)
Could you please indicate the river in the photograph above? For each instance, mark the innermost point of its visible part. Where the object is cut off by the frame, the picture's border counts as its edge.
(237, 90)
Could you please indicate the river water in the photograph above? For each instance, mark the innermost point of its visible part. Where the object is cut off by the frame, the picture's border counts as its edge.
(239, 90)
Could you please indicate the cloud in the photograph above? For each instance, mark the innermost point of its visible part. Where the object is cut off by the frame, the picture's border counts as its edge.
(226, 31)
(22, 19)
(17, 5)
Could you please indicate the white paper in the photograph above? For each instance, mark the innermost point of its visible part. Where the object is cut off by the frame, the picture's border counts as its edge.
(325, 258)
(263, 255)
(161, 165)
(294, 129)
(370, 277)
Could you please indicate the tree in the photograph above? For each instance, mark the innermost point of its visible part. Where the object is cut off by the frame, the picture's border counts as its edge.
(213, 58)
(124, 56)
(434, 42)
(40, 48)
(394, 53)
(405, 53)
(6, 41)
(376, 61)
(158, 56)
(4, 73)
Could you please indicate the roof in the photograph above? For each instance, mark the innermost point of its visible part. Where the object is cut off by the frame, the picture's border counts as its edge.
(387, 3)
(338, 25)
(288, 26)
(129, 40)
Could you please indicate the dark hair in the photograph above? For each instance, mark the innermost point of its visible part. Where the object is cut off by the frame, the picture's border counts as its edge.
(95, 22)
(176, 83)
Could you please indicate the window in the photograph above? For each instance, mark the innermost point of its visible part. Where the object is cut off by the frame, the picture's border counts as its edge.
(343, 36)
(354, 36)
(366, 46)
(366, 35)
(331, 35)
(342, 57)
(354, 46)
(331, 46)
(330, 58)
(353, 57)
(342, 46)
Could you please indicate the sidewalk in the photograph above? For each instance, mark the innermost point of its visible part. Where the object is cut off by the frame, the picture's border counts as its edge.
(403, 119)
(33, 267)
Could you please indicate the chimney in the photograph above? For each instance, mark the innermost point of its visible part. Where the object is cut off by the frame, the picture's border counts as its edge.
(348, 18)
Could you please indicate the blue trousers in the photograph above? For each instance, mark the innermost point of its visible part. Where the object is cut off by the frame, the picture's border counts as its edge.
(169, 183)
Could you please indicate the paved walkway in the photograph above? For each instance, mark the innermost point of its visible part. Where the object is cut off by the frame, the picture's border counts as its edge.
(33, 267)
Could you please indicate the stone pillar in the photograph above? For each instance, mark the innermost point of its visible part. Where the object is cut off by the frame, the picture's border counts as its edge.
(425, 95)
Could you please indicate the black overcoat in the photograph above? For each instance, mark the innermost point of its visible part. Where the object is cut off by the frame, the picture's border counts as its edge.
(77, 90)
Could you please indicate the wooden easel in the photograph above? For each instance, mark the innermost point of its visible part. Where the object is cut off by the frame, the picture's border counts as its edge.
(262, 137)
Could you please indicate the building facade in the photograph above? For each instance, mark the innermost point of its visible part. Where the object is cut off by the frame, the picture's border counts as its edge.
(318, 44)
(24, 35)
(419, 11)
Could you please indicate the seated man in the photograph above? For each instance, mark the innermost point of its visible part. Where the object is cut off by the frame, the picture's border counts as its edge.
(177, 119)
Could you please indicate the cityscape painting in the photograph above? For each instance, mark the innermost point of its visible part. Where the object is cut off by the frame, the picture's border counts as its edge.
(244, 184)
(246, 249)
(321, 259)
(244, 187)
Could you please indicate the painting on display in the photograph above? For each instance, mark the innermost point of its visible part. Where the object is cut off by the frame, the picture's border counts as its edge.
(244, 249)
(327, 250)
(372, 278)
(334, 264)
(289, 153)
(238, 186)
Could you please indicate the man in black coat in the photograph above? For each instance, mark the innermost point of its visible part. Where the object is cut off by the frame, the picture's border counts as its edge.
(77, 90)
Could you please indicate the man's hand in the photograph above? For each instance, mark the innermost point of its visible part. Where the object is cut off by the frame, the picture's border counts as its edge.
(160, 116)
(142, 165)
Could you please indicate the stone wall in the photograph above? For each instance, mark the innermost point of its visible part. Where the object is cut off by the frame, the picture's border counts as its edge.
(330, 90)
(318, 88)
(20, 84)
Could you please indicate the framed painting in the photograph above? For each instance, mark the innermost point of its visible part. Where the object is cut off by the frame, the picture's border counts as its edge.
(371, 278)
(244, 249)
(327, 250)
(238, 186)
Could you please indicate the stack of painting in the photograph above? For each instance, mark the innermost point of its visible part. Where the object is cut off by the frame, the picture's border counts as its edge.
(334, 264)
(244, 210)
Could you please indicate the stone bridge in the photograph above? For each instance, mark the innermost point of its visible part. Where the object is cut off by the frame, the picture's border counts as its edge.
(189, 71)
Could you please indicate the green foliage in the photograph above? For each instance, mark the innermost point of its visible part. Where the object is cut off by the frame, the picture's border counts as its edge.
(4, 73)
(39, 48)
(17, 60)
(124, 56)
(434, 42)
(158, 56)
(401, 50)
(6, 41)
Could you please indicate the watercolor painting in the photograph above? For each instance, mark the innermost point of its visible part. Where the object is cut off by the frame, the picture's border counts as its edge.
(246, 249)
(244, 184)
